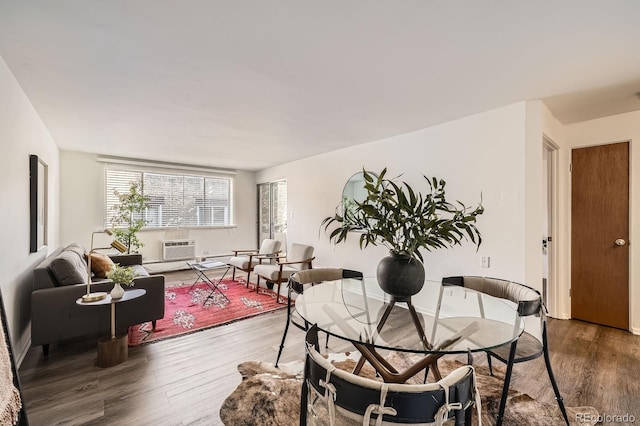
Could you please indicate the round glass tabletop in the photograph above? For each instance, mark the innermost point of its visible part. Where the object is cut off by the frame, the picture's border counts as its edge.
(461, 320)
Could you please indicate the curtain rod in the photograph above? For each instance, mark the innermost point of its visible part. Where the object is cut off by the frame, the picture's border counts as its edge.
(162, 165)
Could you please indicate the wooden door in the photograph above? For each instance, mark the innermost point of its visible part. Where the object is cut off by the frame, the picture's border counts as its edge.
(599, 218)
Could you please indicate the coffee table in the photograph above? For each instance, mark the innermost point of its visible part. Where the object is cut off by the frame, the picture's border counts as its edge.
(113, 350)
(201, 270)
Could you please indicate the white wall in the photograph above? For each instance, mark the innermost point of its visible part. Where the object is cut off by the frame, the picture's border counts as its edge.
(617, 128)
(82, 212)
(21, 133)
(534, 210)
(484, 153)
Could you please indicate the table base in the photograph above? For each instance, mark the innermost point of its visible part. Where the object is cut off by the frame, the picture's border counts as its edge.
(113, 351)
(213, 284)
(388, 373)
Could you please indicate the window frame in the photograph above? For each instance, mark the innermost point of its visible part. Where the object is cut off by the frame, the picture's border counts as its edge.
(179, 173)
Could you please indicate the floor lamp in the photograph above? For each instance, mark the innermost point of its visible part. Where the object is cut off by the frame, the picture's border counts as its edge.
(92, 297)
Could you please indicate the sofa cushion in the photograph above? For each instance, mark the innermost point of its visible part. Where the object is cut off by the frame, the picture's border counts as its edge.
(68, 268)
(77, 249)
(139, 270)
(101, 264)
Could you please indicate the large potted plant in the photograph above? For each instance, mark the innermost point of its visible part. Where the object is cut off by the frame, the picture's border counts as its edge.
(128, 217)
(405, 221)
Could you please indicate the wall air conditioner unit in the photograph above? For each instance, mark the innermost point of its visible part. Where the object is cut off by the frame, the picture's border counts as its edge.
(178, 250)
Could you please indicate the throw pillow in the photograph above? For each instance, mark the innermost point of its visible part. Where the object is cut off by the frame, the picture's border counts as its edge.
(101, 264)
(69, 269)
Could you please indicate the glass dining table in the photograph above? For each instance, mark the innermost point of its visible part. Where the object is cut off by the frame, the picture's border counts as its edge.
(444, 320)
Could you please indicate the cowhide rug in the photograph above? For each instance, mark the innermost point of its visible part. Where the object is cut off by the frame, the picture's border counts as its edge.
(269, 396)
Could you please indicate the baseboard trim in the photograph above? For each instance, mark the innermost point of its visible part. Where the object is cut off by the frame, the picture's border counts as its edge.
(562, 316)
(23, 353)
(633, 330)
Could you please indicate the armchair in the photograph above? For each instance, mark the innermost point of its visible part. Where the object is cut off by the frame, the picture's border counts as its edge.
(299, 258)
(246, 260)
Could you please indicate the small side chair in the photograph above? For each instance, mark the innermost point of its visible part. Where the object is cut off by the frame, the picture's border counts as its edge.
(296, 285)
(527, 347)
(246, 260)
(299, 258)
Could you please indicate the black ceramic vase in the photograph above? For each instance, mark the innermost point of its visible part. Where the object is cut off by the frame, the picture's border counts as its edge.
(400, 276)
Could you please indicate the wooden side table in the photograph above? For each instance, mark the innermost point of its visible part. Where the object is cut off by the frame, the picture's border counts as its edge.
(113, 350)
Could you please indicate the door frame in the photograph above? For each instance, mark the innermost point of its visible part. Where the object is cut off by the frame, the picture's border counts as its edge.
(631, 229)
(553, 217)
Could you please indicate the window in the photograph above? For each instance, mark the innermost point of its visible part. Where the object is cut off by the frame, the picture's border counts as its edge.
(175, 199)
(272, 209)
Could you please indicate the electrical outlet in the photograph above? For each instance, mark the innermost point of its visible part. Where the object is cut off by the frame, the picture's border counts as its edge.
(486, 261)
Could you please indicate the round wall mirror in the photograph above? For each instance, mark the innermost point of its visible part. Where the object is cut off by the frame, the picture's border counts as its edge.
(353, 192)
(354, 188)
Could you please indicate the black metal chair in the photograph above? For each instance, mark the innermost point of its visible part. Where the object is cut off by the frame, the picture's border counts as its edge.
(528, 346)
(296, 286)
(343, 394)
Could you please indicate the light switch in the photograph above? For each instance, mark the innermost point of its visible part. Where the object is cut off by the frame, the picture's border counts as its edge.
(486, 261)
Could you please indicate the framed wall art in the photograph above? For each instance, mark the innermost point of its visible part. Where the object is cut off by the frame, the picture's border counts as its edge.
(38, 200)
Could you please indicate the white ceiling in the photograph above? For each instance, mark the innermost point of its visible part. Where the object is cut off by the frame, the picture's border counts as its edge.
(249, 84)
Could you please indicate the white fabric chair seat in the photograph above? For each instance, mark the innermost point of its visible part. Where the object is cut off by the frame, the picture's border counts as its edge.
(242, 262)
(272, 272)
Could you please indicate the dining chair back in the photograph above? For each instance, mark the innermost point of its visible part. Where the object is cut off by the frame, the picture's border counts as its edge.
(528, 346)
(345, 395)
(246, 260)
(296, 285)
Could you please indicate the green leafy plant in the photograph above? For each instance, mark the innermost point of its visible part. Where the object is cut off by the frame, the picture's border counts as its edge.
(405, 221)
(123, 275)
(128, 218)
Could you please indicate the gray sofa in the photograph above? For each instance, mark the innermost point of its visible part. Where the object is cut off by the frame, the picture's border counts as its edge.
(56, 317)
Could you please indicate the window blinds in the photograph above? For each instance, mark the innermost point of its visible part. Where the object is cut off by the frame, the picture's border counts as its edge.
(175, 200)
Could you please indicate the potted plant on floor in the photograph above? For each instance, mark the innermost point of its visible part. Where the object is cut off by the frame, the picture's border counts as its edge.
(128, 218)
(403, 220)
(120, 275)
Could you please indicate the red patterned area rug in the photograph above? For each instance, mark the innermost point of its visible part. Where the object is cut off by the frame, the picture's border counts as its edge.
(186, 311)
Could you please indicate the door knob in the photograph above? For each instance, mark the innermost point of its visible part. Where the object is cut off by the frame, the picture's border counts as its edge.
(620, 242)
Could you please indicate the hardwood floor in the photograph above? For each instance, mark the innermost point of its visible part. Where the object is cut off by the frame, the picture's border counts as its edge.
(183, 381)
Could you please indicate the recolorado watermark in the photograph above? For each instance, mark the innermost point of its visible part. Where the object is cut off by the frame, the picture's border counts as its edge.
(605, 418)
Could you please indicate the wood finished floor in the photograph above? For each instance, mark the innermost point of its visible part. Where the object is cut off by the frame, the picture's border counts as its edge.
(183, 381)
